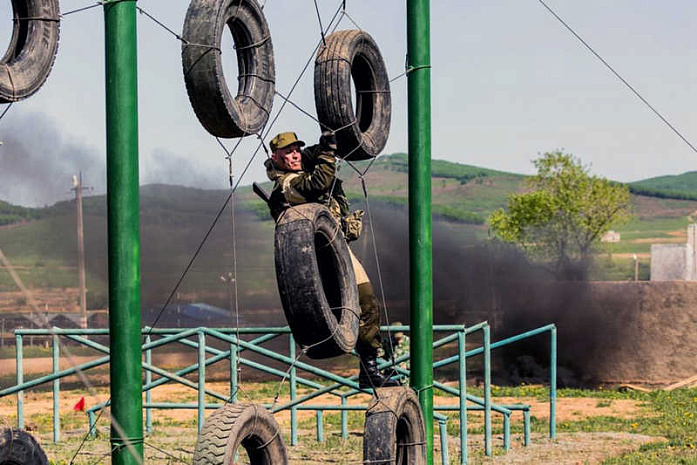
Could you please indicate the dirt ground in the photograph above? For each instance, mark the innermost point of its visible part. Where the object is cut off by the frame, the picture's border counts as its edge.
(175, 430)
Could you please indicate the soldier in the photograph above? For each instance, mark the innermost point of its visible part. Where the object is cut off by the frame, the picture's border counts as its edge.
(308, 175)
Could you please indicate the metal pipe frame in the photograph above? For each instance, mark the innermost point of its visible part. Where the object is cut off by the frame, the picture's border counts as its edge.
(209, 355)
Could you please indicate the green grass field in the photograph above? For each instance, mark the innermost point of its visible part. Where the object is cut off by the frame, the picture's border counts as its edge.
(670, 418)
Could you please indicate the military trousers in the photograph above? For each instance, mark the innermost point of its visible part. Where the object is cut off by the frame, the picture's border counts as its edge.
(369, 329)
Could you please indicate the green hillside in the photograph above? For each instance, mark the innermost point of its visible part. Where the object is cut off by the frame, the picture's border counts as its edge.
(41, 243)
(682, 186)
(11, 214)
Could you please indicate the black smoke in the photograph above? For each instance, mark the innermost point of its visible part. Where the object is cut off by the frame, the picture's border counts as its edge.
(37, 162)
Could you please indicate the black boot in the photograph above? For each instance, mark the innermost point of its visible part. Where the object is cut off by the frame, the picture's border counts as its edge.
(370, 377)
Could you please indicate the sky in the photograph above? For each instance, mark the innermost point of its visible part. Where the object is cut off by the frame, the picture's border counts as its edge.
(509, 82)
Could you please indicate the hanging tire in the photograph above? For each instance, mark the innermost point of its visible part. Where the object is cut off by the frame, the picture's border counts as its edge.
(316, 281)
(17, 447)
(353, 56)
(394, 428)
(219, 112)
(233, 426)
(32, 50)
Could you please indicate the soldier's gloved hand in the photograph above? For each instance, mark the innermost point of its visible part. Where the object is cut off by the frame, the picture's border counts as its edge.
(327, 141)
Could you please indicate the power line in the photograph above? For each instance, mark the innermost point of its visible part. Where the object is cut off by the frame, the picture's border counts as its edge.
(629, 86)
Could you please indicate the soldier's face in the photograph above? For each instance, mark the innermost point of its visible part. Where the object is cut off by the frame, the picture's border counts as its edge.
(288, 158)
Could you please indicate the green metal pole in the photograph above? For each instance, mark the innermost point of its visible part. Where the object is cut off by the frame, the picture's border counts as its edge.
(420, 233)
(124, 242)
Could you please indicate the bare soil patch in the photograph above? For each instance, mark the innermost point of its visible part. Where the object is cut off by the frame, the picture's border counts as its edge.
(175, 430)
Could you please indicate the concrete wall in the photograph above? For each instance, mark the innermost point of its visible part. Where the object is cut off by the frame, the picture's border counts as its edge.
(673, 262)
(634, 331)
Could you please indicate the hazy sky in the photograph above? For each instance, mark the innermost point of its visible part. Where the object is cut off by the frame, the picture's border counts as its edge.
(508, 82)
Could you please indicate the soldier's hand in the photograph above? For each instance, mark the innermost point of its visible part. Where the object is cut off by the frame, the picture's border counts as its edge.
(327, 141)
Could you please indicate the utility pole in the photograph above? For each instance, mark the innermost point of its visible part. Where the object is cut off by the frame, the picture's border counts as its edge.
(77, 187)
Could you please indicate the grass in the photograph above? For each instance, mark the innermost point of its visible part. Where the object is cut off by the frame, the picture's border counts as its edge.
(670, 416)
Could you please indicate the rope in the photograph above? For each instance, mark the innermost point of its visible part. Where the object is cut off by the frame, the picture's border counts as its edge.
(89, 431)
(629, 86)
(263, 446)
(36, 18)
(78, 10)
(377, 262)
(6, 110)
(304, 349)
(234, 301)
(102, 457)
(321, 29)
(255, 45)
(143, 12)
(12, 83)
(168, 454)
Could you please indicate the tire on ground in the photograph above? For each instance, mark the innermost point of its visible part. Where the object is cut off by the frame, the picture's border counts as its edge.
(233, 426)
(219, 112)
(17, 447)
(394, 428)
(316, 281)
(353, 55)
(32, 49)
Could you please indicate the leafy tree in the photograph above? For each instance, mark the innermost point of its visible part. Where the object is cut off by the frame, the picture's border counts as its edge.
(563, 216)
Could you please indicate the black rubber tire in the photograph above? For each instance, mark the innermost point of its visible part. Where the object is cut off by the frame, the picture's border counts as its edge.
(17, 447)
(394, 428)
(32, 50)
(247, 425)
(353, 55)
(316, 281)
(219, 112)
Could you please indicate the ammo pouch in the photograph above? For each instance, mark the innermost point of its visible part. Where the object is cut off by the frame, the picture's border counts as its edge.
(352, 225)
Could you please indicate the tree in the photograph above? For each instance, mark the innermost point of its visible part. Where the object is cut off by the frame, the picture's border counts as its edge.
(564, 215)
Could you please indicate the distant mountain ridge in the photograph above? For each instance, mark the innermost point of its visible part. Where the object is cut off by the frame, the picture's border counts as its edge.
(682, 186)
(463, 193)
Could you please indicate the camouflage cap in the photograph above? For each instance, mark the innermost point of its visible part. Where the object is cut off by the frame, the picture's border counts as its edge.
(283, 140)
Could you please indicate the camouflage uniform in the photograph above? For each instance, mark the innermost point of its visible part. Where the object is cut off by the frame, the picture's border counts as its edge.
(317, 183)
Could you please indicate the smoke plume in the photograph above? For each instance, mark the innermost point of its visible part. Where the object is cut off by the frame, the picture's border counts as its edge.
(37, 163)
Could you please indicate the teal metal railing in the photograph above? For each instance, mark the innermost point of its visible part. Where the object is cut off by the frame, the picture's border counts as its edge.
(340, 387)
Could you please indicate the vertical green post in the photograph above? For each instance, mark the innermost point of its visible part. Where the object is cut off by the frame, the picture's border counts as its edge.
(420, 234)
(124, 242)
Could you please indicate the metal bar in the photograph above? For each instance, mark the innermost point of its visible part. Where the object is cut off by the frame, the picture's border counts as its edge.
(233, 373)
(553, 384)
(293, 394)
(505, 409)
(94, 345)
(511, 339)
(443, 429)
(282, 358)
(344, 419)
(420, 221)
(487, 391)
(404, 357)
(201, 379)
(526, 426)
(45, 379)
(123, 232)
(56, 390)
(320, 426)
(148, 380)
(20, 380)
(463, 397)
(276, 330)
(506, 432)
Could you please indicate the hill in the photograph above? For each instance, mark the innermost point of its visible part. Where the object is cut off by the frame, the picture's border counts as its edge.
(681, 186)
(175, 219)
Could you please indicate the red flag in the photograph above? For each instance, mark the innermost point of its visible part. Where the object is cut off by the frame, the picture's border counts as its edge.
(80, 406)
